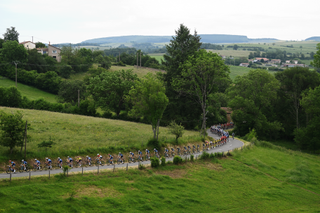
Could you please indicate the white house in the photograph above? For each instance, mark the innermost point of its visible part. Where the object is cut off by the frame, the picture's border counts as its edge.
(28, 45)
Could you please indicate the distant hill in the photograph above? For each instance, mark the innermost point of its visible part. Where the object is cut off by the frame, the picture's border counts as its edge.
(205, 38)
(314, 38)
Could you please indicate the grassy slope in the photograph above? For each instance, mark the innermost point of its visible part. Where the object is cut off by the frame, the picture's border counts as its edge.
(71, 132)
(28, 91)
(157, 56)
(226, 185)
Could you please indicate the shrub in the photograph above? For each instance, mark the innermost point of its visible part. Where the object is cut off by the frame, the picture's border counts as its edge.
(65, 169)
(177, 160)
(192, 158)
(163, 161)
(212, 155)
(154, 143)
(155, 162)
(141, 167)
(205, 155)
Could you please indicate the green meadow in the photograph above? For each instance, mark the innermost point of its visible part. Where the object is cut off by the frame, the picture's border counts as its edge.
(30, 92)
(258, 179)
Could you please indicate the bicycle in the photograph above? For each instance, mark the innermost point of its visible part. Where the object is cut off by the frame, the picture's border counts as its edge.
(147, 157)
(9, 170)
(87, 163)
(36, 167)
(110, 162)
(119, 161)
(21, 168)
(172, 153)
(131, 159)
(140, 158)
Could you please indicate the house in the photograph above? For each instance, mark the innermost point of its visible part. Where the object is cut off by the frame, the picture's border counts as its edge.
(28, 45)
(275, 61)
(52, 51)
(250, 60)
(294, 65)
(262, 59)
(288, 61)
(244, 65)
(223, 56)
(295, 61)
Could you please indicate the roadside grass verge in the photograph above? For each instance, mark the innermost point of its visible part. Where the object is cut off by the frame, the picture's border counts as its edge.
(30, 92)
(223, 185)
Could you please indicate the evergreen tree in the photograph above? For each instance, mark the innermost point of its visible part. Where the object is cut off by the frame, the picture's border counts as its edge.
(181, 107)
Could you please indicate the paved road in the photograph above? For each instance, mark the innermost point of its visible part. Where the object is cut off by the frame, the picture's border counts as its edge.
(232, 144)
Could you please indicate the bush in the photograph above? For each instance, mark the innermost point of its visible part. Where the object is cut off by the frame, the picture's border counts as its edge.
(163, 161)
(212, 155)
(154, 143)
(141, 167)
(191, 158)
(155, 162)
(177, 160)
(205, 155)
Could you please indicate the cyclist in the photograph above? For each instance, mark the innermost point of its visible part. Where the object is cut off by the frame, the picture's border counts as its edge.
(70, 161)
(140, 155)
(37, 164)
(194, 148)
(99, 157)
(131, 156)
(48, 163)
(233, 135)
(110, 159)
(198, 148)
(178, 149)
(59, 162)
(79, 160)
(147, 154)
(156, 152)
(24, 164)
(185, 150)
(88, 160)
(166, 152)
(189, 148)
(172, 152)
(12, 166)
(120, 157)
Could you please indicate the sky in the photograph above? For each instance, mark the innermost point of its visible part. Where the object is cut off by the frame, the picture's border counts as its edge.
(70, 21)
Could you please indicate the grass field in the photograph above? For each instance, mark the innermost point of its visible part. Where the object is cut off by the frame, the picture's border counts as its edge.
(237, 70)
(157, 56)
(233, 53)
(28, 91)
(255, 180)
(72, 133)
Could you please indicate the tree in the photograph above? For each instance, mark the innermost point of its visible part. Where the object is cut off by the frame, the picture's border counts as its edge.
(235, 47)
(12, 51)
(110, 88)
(40, 45)
(46, 144)
(176, 130)
(68, 91)
(308, 137)
(149, 101)
(251, 99)
(293, 82)
(1, 42)
(11, 35)
(12, 129)
(316, 57)
(181, 107)
(199, 77)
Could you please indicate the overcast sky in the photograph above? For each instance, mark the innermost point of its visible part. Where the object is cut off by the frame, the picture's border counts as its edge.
(64, 21)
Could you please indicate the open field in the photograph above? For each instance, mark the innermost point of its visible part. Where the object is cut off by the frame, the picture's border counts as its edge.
(30, 92)
(74, 132)
(157, 56)
(241, 183)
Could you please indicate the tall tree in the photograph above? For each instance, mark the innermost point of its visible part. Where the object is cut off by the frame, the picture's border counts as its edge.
(181, 107)
(149, 101)
(199, 77)
(68, 91)
(293, 82)
(251, 99)
(40, 45)
(110, 88)
(11, 35)
(12, 51)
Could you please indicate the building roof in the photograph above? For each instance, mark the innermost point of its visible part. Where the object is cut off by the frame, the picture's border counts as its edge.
(43, 49)
(265, 59)
(26, 42)
(54, 47)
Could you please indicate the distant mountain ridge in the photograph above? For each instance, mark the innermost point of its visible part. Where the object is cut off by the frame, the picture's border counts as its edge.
(314, 38)
(205, 38)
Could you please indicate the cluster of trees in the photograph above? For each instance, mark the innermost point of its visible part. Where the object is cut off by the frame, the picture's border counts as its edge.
(279, 54)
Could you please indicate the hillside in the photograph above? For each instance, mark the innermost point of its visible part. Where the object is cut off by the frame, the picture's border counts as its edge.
(205, 38)
(314, 38)
(74, 132)
(30, 92)
(258, 179)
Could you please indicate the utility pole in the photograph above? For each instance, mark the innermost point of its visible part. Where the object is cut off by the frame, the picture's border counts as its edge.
(25, 143)
(140, 59)
(16, 63)
(137, 60)
(119, 56)
(79, 98)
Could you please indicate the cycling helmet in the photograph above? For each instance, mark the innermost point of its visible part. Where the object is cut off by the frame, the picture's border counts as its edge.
(9, 161)
(98, 154)
(87, 156)
(22, 160)
(146, 149)
(119, 153)
(35, 159)
(58, 157)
